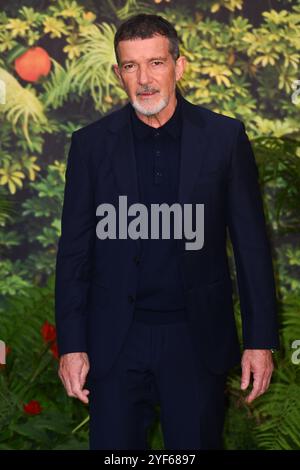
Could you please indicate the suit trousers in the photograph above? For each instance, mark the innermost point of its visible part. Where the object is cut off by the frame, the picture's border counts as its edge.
(156, 366)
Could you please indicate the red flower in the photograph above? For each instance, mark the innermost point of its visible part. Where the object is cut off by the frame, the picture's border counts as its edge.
(54, 349)
(33, 407)
(48, 332)
(7, 350)
(32, 64)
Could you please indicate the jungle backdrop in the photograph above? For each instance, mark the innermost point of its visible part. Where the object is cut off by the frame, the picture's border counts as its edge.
(56, 76)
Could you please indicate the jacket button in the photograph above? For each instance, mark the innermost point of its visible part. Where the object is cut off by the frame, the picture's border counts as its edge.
(136, 259)
(131, 298)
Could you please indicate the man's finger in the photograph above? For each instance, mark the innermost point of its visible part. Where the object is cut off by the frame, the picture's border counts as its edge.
(77, 387)
(267, 378)
(65, 383)
(80, 394)
(69, 387)
(62, 378)
(82, 379)
(266, 383)
(245, 375)
(83, 374)
(257, 386)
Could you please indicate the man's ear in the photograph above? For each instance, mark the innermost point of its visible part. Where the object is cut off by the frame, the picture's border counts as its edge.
(180, 67)
(117, 72)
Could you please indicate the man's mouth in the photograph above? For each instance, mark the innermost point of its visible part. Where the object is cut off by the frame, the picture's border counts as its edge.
(147, 93)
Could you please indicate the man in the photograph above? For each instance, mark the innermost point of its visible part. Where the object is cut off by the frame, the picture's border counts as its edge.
(147, 321)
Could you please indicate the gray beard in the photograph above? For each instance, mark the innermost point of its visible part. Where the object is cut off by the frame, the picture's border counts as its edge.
(150, 111)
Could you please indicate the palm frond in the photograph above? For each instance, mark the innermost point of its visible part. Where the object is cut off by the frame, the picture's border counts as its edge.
(278, 411)
(6, 208)
(279, 166)
(290, 319)
(130, 7)
(22, 104)
(93, 70)
(58, 85)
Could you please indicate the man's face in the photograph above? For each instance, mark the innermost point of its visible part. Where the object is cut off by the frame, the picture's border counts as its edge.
(148, 73)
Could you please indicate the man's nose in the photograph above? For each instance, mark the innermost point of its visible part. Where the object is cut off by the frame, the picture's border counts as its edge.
(143, 75)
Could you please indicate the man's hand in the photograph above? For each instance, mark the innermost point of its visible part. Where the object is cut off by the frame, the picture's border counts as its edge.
(73, 369)
(260, 362)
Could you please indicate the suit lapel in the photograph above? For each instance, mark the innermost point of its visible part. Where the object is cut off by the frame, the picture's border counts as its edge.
(123, 155)
(194, 145)
(123, 158)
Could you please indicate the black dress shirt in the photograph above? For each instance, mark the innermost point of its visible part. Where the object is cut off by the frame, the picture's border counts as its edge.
(157, 153)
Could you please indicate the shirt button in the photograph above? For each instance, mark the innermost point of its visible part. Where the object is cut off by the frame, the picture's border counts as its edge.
(157, 153)
(131, 298)
(156, 134)
(158, 173)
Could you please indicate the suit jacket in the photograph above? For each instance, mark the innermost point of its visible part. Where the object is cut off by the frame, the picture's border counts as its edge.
(96, 280)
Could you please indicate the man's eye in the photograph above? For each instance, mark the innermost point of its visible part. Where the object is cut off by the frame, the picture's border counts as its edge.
(128, 66)
(157, 62)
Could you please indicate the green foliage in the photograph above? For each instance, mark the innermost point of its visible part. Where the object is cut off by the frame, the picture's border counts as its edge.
(12, 278)
(239, 70)
(93, 70)
(279, 166)
(31, 374)
(239, 424)
(21, 104)
(278, 412)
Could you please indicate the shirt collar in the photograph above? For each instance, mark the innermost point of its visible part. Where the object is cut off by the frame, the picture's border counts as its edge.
(172, 126)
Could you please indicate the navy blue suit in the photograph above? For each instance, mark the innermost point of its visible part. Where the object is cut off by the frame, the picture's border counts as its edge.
(96, 280)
